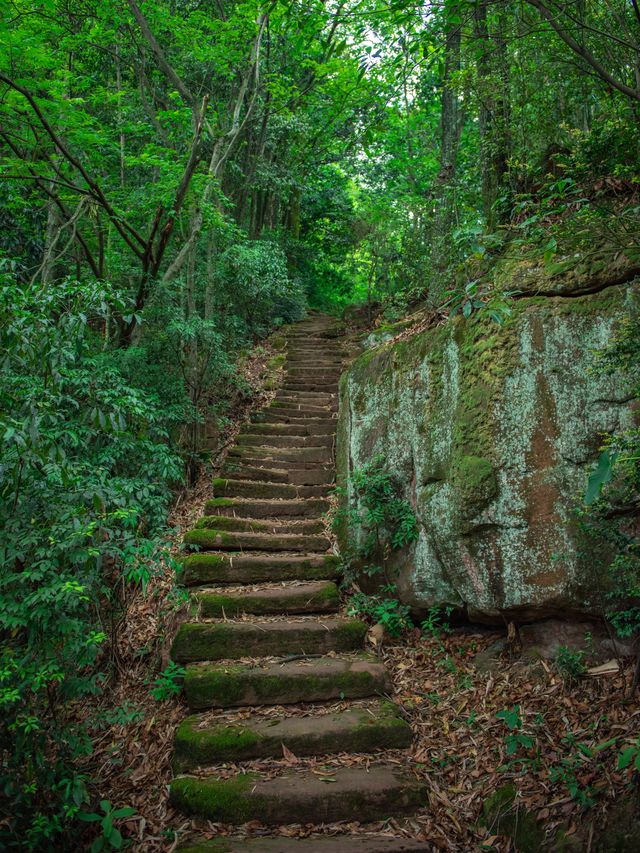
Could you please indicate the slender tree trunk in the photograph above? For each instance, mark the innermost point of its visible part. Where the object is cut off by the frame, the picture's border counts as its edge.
(494, 113)
(450, 130)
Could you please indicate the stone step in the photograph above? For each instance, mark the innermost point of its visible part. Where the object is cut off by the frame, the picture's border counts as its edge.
(313, 397)
(201, 743)
(326, 427)
(255, 472)
(309, 385)
(211, 568)
(291, 399)
(247, 508)
(307, 454)
(235, 464)
(316, 597)
(374, 793)
(311, 844)
(299, 475)
(252, 525)
(248, 439)
(297, 358)
(249, 489)
(313, 371)
(237, 540)
(359, 676)
(205, 641)
(291, 416)
(291, 410)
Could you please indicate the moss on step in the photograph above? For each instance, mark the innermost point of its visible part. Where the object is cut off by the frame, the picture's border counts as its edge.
(326, 598)
(211, 686)
(360, 730)
(195, 746)
(199, 641)
(226, 799)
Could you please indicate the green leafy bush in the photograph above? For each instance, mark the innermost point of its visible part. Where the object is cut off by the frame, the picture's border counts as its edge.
(257, 288)
(383, 609)
(86, 469)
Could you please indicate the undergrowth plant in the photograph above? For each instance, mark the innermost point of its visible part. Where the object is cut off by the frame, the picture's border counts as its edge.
(380, 522)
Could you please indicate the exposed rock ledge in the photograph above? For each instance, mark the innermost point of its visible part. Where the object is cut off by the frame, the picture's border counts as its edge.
(493, 430)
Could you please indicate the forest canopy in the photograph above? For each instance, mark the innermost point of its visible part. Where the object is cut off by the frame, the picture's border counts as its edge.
(177, 180)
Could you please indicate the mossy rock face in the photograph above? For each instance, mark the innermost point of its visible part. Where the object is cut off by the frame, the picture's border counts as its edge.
(491, 431)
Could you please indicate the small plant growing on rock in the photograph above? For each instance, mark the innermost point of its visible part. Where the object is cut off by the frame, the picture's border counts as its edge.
(385, 522)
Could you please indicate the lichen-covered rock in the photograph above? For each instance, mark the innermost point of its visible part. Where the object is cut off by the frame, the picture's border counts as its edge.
(493, 430)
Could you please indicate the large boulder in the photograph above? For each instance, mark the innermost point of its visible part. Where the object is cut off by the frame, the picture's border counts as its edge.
(492, 430)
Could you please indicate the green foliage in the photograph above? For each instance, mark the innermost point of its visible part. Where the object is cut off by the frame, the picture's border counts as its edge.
(515, 739)
(86, 472)
(583, 761)
(437, 621)
(382, 609)
(255, 286)
(571, 663)
(629, 757)
(382, 521)
(471, 299)
(110, 837)
(169, 683)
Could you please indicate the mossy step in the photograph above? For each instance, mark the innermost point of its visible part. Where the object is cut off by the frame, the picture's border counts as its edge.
(241, 568)
(204, 641)
(319, 397)
(247, 508)
(291, 384)
(302, 475)
(280, 441)
(315, 597)
(253, 525)
(312, 370)
(298, 400)
(237, 540)
(281, 414)
(302, 359)
(327, 427)
(236, 463)
(292, 416)
(200, 743)
(376, 793)
(248, 489)
(210, 685)
(309, 454)
(311, 844)
(261, 473)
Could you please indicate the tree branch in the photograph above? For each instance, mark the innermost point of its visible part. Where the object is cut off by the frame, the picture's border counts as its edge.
(161, 59)
(582, 51)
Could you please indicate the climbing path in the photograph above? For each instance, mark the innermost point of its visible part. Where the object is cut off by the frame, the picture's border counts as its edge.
(267, 631)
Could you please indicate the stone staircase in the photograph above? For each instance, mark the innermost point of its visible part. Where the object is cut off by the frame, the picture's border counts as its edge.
(267, 631)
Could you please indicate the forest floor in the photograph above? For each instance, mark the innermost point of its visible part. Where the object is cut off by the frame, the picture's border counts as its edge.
(477, 730)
